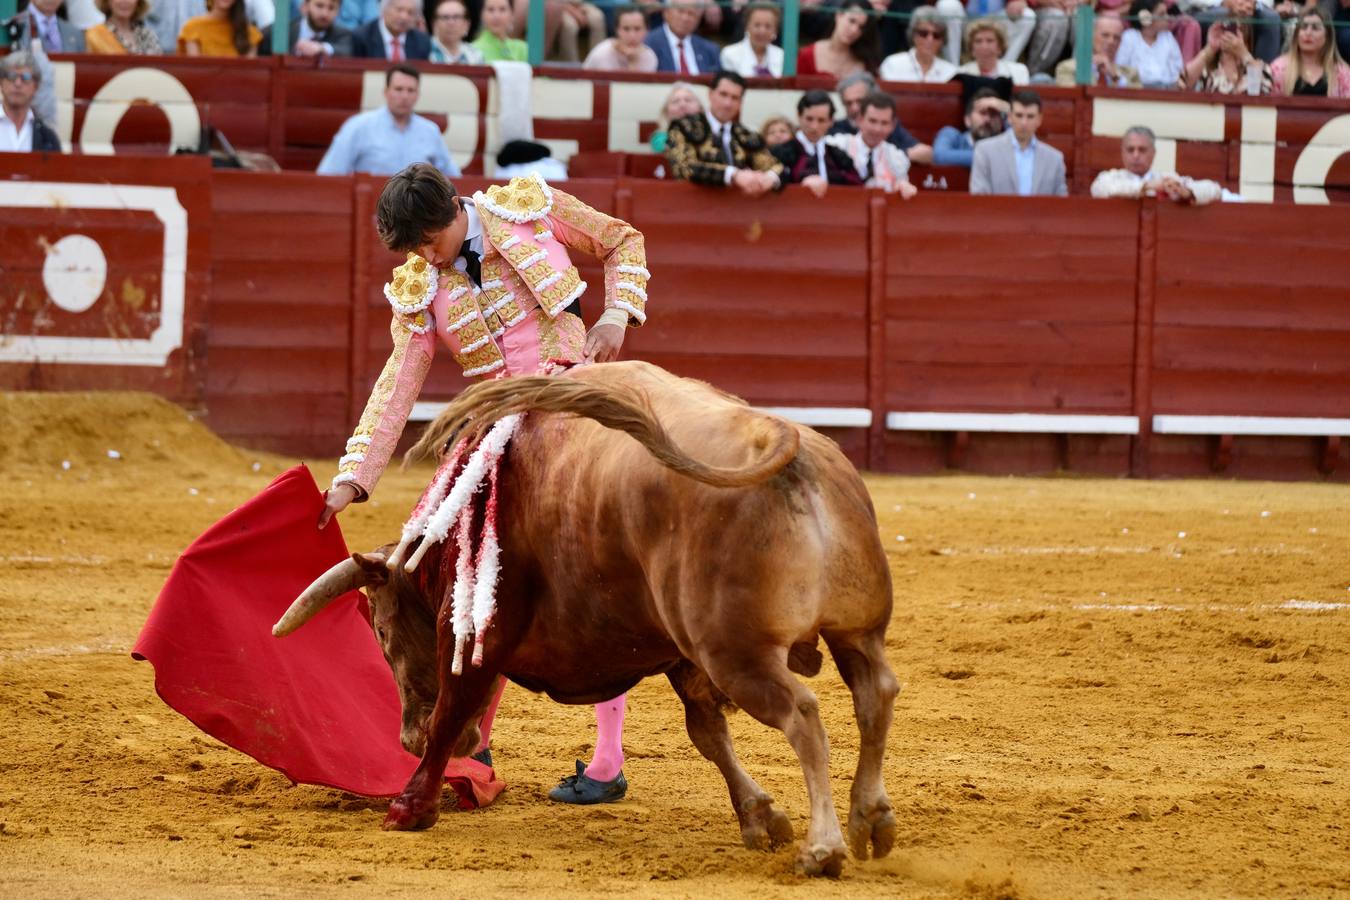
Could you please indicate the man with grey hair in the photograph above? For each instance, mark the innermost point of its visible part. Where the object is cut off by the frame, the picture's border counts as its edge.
(1139, 179)
(21, 131)
(677, 47)
(852, 89)
(393, 35)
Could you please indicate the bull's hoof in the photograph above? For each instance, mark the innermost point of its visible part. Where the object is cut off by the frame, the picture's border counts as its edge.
(764, 826)
(404, 815)
(822, 860)
(876, 828)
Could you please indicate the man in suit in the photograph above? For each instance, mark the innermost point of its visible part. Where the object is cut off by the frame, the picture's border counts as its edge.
(20, 130)
(393, 36)
(313, 32)
(40, 22)
(808, 159)
(1015, 162)
(1107, 32)
(676, 46)
(714, 148)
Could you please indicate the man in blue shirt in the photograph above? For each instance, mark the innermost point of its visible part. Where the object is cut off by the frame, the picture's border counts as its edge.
(1016, 162)
(984, 118)
(389, 139)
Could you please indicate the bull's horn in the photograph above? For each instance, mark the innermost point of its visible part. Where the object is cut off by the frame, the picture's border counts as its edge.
(343, 577)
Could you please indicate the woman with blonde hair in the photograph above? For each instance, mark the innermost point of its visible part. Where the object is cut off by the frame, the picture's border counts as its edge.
(986, 42)
(680, 102)
(923, 61)
(123, 31)
(777, 130)
(1312, 66)
(223, 31)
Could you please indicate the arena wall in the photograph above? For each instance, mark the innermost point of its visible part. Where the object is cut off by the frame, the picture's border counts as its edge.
(289, 108)
(986, 333)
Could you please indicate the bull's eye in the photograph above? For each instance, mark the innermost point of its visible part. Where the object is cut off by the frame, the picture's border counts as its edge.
(379, 633)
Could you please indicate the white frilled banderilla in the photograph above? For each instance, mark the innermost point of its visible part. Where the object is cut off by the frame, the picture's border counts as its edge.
(444, 511)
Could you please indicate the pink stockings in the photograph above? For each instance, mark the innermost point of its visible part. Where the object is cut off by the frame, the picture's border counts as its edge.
(608, 758)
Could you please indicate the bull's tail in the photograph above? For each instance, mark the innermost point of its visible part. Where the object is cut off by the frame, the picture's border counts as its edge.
(620, 407)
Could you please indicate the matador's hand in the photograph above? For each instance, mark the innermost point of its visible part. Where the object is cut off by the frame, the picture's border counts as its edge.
(603, 343)
(335, 500)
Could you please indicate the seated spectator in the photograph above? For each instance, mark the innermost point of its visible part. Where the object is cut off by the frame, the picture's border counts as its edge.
(756, 55)
(394, 35)
(449, 36)
(1016, 162)
(676, 46)
(627, 50)
(223, 31)
(389, 139)
(1148, 46)
(1263, 33)
(985, 115)
(809, 160)
(1138, 179)
(1015, 20)
(313, 33)
(518, 158)
(40, 22)
(1311, 66)
(1226, 66)
(714, 148)
(21, 130)
(879, 163)
(852, 47)
(1340, 18)
(1054, 33)
(494, 39)
(987, 47)
(776, 130)
(1106, 36)
(680, 102)
(852, 89)
(123, 31)
(923, 61)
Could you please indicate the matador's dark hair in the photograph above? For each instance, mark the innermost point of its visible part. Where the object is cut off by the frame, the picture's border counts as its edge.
(414, 205)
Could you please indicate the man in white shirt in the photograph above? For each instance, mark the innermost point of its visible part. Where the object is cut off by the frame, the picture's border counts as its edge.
(880, 163)
(1138, 179)
(20, 130)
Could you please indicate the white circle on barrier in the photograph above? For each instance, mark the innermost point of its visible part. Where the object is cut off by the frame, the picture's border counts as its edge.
(75, 272)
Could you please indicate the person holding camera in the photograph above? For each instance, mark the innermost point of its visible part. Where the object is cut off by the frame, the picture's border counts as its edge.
(1225, 65)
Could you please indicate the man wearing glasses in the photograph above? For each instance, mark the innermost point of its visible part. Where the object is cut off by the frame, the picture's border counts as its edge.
(20, 130)
(448, 32)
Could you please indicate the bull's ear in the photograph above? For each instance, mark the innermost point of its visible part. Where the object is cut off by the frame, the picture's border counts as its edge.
(373, 567)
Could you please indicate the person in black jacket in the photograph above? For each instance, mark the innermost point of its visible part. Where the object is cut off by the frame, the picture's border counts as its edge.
(807, 159)
(21, 131)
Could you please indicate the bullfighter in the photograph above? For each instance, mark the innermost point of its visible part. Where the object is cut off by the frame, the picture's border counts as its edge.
(490, 277)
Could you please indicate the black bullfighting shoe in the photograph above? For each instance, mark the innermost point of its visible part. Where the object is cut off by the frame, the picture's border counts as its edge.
(583, 791)
(483, 756)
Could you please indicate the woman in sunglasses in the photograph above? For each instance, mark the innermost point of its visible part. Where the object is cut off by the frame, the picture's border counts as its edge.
(1312, 65)
(922, 61)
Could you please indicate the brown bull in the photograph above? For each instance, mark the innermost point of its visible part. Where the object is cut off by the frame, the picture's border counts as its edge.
(623, 557)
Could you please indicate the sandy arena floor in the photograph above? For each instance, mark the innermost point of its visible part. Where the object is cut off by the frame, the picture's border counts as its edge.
(1111, 689)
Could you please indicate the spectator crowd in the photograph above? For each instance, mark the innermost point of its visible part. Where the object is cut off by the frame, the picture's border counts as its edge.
(998, 50)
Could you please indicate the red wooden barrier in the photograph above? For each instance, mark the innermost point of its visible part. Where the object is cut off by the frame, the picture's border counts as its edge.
(866, 308)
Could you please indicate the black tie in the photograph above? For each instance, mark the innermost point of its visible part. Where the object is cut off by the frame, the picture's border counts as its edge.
(472, 264)
(871, 167)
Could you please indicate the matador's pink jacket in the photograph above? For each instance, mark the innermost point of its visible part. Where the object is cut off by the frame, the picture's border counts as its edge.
(512, 325)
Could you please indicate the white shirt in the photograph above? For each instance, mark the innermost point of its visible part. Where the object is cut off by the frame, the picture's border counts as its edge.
(16, 140)
(1158, 64)
(817, 150)
(678, 45)
(905, 67)
(388, 39)
(740, 58)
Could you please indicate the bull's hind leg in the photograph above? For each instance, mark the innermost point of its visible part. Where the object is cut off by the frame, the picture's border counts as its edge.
(862, 663)
(762, 824)
(760, 684)
(449, 733)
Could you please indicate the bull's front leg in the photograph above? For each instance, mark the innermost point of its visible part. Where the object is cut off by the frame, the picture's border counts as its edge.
(451, 729)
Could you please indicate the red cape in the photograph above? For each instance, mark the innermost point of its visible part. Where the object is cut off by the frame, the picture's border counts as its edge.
(319, 705)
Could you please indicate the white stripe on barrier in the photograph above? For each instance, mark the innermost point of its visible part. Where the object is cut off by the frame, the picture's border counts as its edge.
(1019, 423)
(1251, 425)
